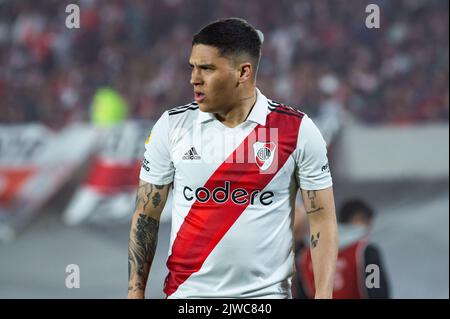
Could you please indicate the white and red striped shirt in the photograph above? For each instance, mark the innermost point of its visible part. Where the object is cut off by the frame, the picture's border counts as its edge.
(233, 197)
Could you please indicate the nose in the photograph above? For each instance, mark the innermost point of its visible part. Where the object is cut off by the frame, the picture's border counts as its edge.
(196, 78)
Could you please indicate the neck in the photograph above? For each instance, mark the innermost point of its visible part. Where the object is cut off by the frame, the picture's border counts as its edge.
(239, 112)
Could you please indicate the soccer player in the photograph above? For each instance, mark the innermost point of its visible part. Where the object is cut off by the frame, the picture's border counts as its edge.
(235, 160)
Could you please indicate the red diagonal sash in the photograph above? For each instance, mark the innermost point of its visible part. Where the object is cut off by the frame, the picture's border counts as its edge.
(206, 223)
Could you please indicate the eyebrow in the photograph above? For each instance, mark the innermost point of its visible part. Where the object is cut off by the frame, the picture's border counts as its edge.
(204, 65)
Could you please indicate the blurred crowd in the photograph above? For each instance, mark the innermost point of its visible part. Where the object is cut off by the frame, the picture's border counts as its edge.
(317, 55)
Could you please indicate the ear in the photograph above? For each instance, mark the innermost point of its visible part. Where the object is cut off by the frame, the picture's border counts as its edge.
(245, 72)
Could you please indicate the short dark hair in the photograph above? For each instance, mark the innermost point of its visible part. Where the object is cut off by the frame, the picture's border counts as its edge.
(354, 207)
(232, 36)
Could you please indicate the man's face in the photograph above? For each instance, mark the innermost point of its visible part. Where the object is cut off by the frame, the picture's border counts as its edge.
(214, 77)
(361, 220)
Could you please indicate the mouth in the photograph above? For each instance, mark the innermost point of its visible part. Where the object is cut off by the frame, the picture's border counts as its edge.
(198, 96)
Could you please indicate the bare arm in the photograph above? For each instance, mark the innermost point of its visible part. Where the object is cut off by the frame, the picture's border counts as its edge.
(321, 213)
(150, 201)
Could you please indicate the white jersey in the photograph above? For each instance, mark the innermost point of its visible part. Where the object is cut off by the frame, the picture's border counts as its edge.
(233, 197)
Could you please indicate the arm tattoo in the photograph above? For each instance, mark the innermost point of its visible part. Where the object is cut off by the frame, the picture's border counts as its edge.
(315, 240)
(145, 192)
(312, 198)
(143, 195)
(156, 200)
(141, 250)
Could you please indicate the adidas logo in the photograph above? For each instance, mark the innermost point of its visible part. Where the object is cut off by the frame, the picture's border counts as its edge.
(191, 155)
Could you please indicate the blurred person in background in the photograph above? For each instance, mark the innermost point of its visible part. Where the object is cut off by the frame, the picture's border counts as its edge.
(231, 219)
(356, 252)
(108, 108)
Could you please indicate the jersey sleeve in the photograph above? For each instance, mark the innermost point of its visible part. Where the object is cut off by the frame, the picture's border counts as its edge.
(313, 171)
(157, 166)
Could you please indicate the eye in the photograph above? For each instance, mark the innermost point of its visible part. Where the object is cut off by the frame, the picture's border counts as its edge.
(207, 68)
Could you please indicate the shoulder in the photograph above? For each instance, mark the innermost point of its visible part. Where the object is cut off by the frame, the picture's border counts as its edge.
(308, 129)
(182, 116)
(183, 110)
(284, 109)
(177, 117)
